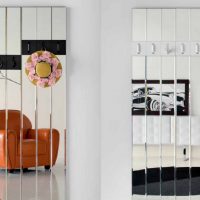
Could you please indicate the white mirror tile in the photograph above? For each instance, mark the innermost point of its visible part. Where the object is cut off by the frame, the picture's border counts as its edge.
(58, 23)
(153, 24)
(2, 31)
(168, 24)
(139, 24)
(29, 23)
(13, 31)
(44, 23)
(182, 24)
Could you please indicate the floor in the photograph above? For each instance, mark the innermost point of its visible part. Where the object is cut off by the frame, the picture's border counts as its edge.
(34, 186)
(142, 197)
(154, 187)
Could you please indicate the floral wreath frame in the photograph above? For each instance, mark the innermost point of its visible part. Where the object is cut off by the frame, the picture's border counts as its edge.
(52, 60)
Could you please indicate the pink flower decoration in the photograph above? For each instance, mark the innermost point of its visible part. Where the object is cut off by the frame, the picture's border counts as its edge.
(32, 71)
(29, 66)
(41, 82)
(31, 77)
(34, 57)
(46, 54)
(52, 81)
(58, 73)
(54, 62)
(42, 58)
(34, 63)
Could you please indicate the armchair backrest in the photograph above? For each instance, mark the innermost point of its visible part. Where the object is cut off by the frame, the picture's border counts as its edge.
(14, 122)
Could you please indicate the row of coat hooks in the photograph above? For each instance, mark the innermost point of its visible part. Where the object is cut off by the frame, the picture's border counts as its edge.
(10, 62)
(57, 47)
(43, 46)
(166, 48)
(13, 62)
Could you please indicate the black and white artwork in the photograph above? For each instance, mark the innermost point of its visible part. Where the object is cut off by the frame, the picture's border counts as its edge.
(150, 95)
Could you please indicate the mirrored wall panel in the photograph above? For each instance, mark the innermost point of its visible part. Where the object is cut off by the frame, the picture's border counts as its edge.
(165, 104)
(33, 103)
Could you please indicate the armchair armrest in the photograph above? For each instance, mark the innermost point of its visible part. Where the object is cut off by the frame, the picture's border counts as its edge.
(11, 147)
(43, 134)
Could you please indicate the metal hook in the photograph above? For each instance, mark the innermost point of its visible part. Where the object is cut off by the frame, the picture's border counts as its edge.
(138, 48)
(182, 48)
(153, 48)
(28, 47)
(1, 63)
(14, 62)
(167, 49)
(197, 48)
(58, 47)
(43, 46)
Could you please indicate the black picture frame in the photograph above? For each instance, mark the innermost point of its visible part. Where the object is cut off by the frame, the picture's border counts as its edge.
(181, 110)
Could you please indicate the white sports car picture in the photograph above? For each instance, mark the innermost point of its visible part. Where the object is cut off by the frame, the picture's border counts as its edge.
(151, 94)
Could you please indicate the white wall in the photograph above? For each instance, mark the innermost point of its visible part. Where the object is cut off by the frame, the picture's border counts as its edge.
(83, 90)
(116, 100)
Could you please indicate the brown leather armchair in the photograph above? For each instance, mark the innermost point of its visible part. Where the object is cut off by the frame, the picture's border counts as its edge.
(28, 143)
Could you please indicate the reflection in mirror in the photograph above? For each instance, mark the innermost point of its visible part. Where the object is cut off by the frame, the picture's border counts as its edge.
(32, 115)
(28, 183)
(165, 110)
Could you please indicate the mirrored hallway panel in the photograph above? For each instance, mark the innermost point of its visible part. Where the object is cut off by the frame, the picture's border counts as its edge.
(165, 98)
(33, 103)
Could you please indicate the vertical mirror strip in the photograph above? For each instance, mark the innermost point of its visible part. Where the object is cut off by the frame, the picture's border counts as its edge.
(51, 147)
(6, 113)
(160, 129)
(160, 113)
(6, 130)
(21, 113)
(36, 141)
(36, 122)
(145, 110)
(175, 112)
(51, 136)
(189, 73)
(65, 131)
(190, 136)
(65, 149)
(145, 123)
(174, 122)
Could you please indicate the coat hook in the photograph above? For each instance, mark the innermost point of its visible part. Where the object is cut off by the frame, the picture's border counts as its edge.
(1, 63)
(167, 49)
(58, 47)
(28, 47)
(197, 48)
(153, 48)
(182, 48)
(14, 62)
(138, 48)
(43, 46)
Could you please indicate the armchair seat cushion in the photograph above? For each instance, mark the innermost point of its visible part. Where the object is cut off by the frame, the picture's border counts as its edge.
(29, 147)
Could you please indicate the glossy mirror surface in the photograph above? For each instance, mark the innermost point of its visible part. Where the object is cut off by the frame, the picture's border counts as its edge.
(165, 104)
(33, 156)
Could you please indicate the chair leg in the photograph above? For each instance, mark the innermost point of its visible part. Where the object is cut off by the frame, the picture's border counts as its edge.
(47, 167)
(10, 171)
(25, 169)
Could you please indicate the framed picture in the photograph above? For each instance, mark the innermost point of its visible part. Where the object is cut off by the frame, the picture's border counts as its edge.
(156, 93)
